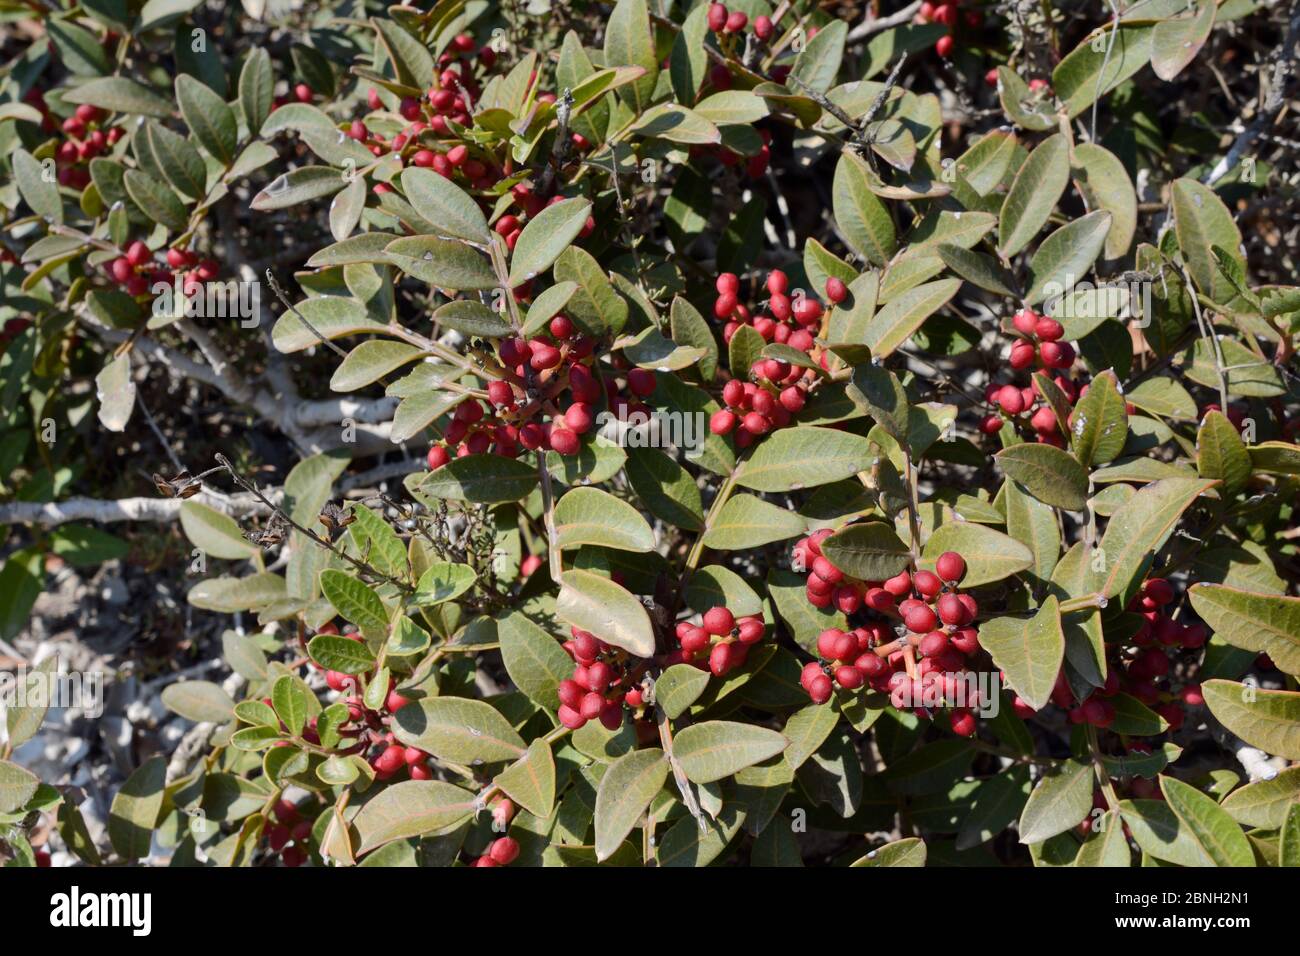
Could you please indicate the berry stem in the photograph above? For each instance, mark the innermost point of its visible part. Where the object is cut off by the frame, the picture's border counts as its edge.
(1103, 778)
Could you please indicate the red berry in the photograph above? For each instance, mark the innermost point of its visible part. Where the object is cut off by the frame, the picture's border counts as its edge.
(763, 27)
(945, 44)
(641, 382)
(504, 850)
(717, 17)
(836, 290)
(564, 441)
(718, 621)
(951, 566)
(920, 619)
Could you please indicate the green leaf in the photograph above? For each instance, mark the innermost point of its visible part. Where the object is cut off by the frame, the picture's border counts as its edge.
(1135, 718)
(1265, 623)
(198, 700)
(256, 89)
(749, 522)
(178, 160)
(117, 94)
(214, 533)
(1033, 524)
(458, 729)
(997, 801)
(545, 236)
(909, 851)
(1059, 802)
(796, 458)
(373, 537)
(298, 186)
(1161, 834)
(472, 318)
(445, 263)
(1030, 652)
(990, 555)
(718, 748)
(446, 205)
(135, 809)
(1175, 41)
(862, 217)
(665, 488)
(1265, 803)
(678, 687)
(354, 600)
(42, 195)
(1220, 453)
(1101, 422)
(624, 794)
(818, 63)
(337, 653)
(806, 730)
(1066, 256)
(1104, 184)
(1267, 719)
(1107, 846)
(480, 478)
(442, 581)
(677, 124)
(209, 118)
(688, 63)
(17, 785)
(894, 324)
(1275, 458)
(236, 594)
(732, 106)
(411, 808)
(1289, 844)
(744, 349)
(1210, 826)
(590, 516)
(156, 200)
(1102, 61)
(878, 390)
(411, 60)
(370, 361)
(1202, 222)
(1051, 475)
(1139, 529)
(596, 604)
(78, 48)
(22, 721)
(870, 551)
(1034, 192)
(596, 307)
(686, 844)
(534, 660)
(978, 269)
(530, 780)
(629, 41)
(294, 702)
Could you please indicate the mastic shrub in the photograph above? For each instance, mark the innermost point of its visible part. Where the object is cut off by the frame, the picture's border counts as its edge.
(668, 433)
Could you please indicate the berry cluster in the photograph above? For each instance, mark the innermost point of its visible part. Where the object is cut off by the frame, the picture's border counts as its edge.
(535, 375)
(386, 755)
(793, 321)
(925, 614)
(604, 679)
(1039, 343)
(1141, 669)
(290, 834)
(86, 140)
(136, 271)
(720, 642)
(949, 15)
